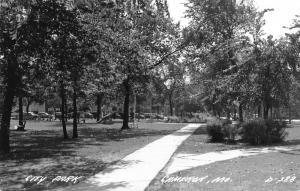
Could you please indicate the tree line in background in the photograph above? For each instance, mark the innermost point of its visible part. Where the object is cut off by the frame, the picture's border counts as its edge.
(80, 48)
(237, 69)
(85, 49)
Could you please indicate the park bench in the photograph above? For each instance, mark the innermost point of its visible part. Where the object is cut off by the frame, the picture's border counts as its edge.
(21, 127)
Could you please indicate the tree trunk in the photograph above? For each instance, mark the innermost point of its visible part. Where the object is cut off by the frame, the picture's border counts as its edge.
(126, 105)
(290, 115)
(28, 105)
(228, 113)
(266, 109)
(66, 108)
(134, 108)
(63, 114)
(9, 93)
(266, 112)
(20, 100)
(241, 118)
(214, 110)
(171, 103)
(99, 105)
(271, 112)
(75, 132)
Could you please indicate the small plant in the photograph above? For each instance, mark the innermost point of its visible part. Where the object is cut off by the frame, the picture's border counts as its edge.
(259, 132)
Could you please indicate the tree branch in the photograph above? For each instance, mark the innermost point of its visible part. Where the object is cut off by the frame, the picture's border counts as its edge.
(181, 47)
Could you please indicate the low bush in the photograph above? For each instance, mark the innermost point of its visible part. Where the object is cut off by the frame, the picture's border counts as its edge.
(230, 131)
(221, 130)
(259, 132)
(215, 130)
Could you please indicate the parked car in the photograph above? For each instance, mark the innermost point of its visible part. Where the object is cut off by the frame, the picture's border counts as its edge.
(57, 115)
(149, 115)
(117, 115)
(45, 115)
(70, 115)
(139, 116)
(88, 115)
(154, 116)
(80, 114)
(160, 117)
(30, 116)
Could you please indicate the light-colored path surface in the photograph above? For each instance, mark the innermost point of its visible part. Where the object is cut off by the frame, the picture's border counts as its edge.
(137, 170)
(182, 162)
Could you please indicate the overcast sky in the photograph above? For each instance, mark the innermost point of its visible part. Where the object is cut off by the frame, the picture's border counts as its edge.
(283, 14)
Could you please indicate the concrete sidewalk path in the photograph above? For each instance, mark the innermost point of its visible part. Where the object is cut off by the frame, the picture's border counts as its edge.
(137, 170)
(184, 161)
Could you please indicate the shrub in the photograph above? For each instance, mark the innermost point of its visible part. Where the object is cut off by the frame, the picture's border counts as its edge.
(276, 131)
(230, 131)
(220, 130)
(263, 132)
(215, 130)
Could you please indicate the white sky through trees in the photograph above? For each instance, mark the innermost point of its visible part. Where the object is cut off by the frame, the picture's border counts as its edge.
(283, 14)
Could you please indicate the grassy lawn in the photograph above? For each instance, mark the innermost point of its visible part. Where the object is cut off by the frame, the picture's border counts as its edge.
(245, 173)
(41, 151)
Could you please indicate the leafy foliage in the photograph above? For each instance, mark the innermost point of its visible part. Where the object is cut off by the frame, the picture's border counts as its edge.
(220, 130)
(263, 132)
(215, 131)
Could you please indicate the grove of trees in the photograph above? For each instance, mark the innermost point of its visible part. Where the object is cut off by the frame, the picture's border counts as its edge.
(221, 63)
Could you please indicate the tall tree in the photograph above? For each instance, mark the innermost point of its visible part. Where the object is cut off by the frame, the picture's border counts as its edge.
(12, 17)
(219, 32)
(58, 25)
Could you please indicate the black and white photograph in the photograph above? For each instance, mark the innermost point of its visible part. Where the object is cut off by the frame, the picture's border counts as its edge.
(149, 95)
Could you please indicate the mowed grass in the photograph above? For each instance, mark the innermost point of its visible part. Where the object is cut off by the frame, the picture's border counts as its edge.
(41, 151)
(245, 173)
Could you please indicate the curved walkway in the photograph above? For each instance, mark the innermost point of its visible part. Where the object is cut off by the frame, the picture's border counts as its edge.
(182, 161)
(138, 169)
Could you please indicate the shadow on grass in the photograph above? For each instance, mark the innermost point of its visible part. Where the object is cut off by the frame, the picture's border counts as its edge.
(49, 143)
(45, 153)
(34, 144)
(292, 142)
(107, 134)
(293, 152)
